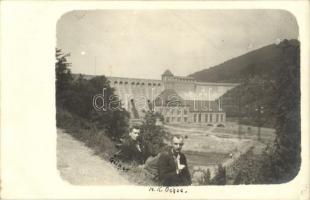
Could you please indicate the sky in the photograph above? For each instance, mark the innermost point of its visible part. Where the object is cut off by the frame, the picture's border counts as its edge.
(144, 43)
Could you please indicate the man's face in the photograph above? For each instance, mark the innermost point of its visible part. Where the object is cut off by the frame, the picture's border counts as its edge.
(177, 144)
(134, 134)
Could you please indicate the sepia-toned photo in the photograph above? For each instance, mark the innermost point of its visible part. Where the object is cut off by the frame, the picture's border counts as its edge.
(178, 97)
(154, 100)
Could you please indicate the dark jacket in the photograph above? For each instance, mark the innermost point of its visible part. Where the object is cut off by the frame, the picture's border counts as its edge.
(167, 170)
(130, 153)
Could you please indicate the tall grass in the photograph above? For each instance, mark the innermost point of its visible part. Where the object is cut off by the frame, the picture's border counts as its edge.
(87, 133)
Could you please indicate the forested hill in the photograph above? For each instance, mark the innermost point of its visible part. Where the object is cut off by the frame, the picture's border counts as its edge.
(266, 75)
(268, 96)
(266, 61)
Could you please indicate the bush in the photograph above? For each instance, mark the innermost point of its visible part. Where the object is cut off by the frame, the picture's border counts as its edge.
(207, 177)
(153, 135)
(220, 177)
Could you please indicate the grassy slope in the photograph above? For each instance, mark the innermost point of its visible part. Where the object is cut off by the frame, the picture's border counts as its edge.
(99, 142)
(87, 133)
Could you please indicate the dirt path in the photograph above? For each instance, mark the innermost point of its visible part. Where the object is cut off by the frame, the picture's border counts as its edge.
(78, 165)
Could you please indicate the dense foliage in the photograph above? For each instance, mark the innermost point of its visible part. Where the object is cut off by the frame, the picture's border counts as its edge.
(153, 132)
(76, 95)
(285, 157)
(63, 77)
(280, 162)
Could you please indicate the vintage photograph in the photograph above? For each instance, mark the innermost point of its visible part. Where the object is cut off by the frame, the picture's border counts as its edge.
(178, 97)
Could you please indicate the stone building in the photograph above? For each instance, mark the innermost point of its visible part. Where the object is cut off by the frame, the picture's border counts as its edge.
(177, 110)
(179, 99)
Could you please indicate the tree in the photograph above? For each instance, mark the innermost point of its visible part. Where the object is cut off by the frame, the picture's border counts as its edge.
(114, 118)
(285, 157)
(77, 96)
(63, 76)
(280, 162)
(153, 135)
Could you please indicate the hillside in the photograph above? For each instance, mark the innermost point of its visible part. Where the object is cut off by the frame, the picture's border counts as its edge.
(260, 74)
(266, 61)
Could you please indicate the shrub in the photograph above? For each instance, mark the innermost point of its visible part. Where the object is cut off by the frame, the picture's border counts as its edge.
(207, 177)
(220, 177)
(153, 135)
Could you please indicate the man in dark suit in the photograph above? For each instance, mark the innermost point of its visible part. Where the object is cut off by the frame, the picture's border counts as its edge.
(172, 165)
(132, 150)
